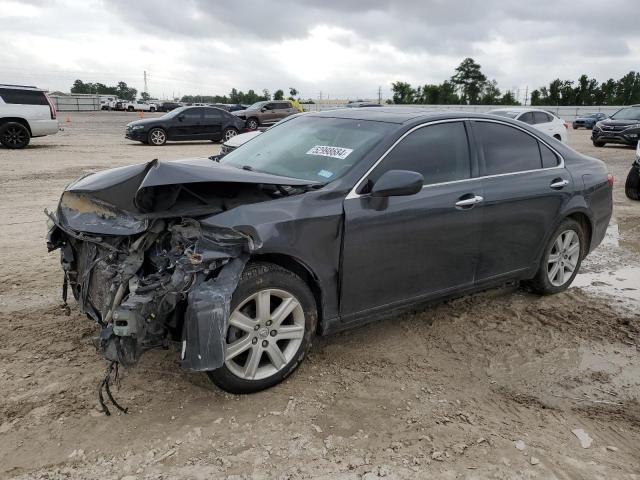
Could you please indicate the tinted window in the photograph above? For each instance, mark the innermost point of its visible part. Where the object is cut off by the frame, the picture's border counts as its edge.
(439, 152)
(541, 117)
(270, 106)
(192, 113)
(526, 118)
(212, 114)
(507, 149)
(24, 97)
(283, 105)
(549, 159)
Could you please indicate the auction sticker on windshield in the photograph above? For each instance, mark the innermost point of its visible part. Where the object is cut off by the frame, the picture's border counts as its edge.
(333, 152)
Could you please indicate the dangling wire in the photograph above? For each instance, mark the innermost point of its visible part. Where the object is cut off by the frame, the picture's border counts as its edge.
(113, 367)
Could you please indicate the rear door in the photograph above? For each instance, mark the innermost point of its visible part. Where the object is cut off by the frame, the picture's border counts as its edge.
(544, 122)
(400, 249)
(212, 123)
(525, 186)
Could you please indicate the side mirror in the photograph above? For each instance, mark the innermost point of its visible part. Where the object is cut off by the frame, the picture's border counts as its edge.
(395, 183)
(263, 109)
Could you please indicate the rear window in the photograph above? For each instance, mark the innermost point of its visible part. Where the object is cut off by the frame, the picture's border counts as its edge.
(24, 97)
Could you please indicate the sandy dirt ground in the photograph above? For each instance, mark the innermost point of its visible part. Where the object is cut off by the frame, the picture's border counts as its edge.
(487, 386)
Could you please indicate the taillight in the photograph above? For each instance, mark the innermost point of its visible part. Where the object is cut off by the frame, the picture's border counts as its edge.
(52, 107)
(610, 180)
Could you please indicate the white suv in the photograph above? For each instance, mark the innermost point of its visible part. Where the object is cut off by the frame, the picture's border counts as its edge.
(25, 112)
(539, 119)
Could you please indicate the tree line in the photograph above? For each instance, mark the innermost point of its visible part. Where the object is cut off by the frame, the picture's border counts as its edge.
(121, 90)
(469, 86)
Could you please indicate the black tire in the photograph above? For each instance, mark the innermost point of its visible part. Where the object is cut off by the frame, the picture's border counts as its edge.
(228, 134)
(152, 109)
(575, 128)
(157, 137)
(252, 123)
(256, 277)
(598, 144)
(632, 185)
(541, 283)
(14, 135)
(130, 109)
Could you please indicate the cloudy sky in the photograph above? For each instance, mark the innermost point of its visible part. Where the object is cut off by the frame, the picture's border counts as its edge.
(342, 48)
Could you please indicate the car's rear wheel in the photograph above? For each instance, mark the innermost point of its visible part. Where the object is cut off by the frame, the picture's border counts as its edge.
(130, 109)
(252, 123)
(152, 109)
(157, 137)
(561, 259)
(273, 319)
(632, 185)
(14, 135)
(598, 144)
(229, 133)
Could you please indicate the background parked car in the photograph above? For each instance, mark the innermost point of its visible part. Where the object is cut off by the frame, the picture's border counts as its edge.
(541, 120)
(168, 106)
(588, 120)
(266, 113)
(234, 142)
(632, 185)
(622, 127)
(107, 102)
(186, 123)
(25, 112)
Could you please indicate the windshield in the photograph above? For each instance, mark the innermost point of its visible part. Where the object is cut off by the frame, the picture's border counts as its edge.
(257, 105)
(627, 114)
(311, 148)
(505, 113)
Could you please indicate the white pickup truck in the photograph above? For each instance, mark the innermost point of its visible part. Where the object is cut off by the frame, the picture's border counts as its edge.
(136, 106)
(25, 112)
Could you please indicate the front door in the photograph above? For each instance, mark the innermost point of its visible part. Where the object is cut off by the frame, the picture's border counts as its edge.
(401, 249)
(187, 125)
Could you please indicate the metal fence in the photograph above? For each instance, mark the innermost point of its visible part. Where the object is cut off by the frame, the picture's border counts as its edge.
(568, 113)
(76, 103)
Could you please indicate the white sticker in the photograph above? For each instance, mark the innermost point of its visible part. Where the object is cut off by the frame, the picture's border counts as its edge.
(333, 152)
(325, 173)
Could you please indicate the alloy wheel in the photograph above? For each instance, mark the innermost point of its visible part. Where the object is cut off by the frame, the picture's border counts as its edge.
(229, 134)
(563, 258)
(158, 137)
(265, 333)
(14, 136)
(252, 124)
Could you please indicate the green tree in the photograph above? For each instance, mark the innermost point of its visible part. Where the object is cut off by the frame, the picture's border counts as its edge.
(145, 96)
(508, 99)
(402, 93)
(490, 93)
(125, 92)
(470, 81)
(278, 95)
(292, 93)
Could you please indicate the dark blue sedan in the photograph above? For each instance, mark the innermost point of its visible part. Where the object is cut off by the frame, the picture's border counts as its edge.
(588, 120)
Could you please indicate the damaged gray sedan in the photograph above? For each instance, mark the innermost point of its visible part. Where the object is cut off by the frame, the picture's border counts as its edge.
(325, 222)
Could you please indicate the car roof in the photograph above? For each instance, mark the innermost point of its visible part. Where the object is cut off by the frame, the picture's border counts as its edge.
(20, 87)
(397, 115)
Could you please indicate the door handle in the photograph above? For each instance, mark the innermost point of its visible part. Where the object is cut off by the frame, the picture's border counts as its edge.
(469, 202)
(559, 184)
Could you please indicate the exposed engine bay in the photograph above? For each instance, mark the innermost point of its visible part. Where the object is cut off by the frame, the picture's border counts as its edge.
(142, 264)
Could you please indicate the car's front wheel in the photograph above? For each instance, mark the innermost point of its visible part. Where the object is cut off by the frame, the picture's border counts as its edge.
(14, 135)
(272, 322)
(598, 144)
(632, 185)
(152, 109)
(561, 259)
(157, 137)
(252, 124)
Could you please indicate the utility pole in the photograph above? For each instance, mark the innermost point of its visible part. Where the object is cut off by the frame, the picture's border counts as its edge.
(526, 94)
(146, 90)
(319, 100)
(379, 95)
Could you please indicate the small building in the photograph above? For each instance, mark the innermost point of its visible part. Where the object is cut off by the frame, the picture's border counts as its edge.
(75, 102)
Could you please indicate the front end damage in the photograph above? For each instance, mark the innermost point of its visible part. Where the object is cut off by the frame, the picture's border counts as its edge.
(140, 263)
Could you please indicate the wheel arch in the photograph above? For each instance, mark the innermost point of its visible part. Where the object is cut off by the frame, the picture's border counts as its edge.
(586, 223)
(298, 267)
(20, 120)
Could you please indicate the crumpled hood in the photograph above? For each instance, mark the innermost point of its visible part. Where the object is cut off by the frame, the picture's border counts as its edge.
(123, 200)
